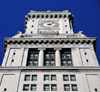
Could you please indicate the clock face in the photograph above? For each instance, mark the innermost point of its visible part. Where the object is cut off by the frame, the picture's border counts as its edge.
(49, 24)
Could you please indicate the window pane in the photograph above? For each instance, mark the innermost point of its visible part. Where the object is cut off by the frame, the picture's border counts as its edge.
(46, 63)
(53, 88)
(74, 88)
(30, 63)
(69, 62)
(46, 87)
(72, 78)
(35, 63)
(66, 87)
(25, 87)
(27, 78)
(53, 77)
(65, 78)
(46, 77)
(34, 77)
(52, 63)
(33, 87)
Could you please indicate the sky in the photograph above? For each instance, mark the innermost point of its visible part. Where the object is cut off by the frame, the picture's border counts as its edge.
(86, 16)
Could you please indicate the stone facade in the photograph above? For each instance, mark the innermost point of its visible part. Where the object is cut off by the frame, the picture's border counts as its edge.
(49, 34)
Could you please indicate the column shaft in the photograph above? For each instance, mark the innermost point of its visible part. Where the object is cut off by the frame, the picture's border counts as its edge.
(41, 58)
(57, 58)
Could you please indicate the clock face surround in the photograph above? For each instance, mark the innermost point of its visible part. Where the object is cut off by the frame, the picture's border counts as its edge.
(49, 24)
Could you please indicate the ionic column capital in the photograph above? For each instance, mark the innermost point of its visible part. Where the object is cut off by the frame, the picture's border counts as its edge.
(57, 48)
(41, 48)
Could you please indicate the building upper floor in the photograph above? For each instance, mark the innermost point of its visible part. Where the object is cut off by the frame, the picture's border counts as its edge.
(47, 52)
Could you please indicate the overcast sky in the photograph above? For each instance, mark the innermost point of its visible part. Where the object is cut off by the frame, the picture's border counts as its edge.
(86, 16)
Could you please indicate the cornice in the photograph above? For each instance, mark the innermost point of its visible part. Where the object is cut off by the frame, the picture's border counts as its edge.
(61, 40)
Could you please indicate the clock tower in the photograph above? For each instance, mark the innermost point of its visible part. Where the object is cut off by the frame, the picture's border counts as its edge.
(54, 22)
(49, 57)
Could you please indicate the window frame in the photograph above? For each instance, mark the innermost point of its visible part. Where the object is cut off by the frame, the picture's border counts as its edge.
(64, 77)
(45, 77)
(65, 54)
(31, 60)
(24, 87)
(34, 86)
(46, 89)
(49, 52)
(72, 79)
(66, 85)
(54, 78)
(25, 79)
(33, 78)
(53, 88)
(74, 89)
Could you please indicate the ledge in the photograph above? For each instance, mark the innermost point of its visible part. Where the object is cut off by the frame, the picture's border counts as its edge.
(50, 67)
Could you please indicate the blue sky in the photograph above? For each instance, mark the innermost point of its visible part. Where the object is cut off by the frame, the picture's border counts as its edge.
(86, 16)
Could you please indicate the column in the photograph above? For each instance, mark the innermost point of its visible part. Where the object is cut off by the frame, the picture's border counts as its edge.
(57, 57)
(41, 57)
(25, 56)
(6, 57)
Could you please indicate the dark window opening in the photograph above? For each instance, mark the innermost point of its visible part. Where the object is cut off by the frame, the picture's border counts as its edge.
(95, 89)
(31, 32)
(38, 16)
(66, 31)
(12, 60)
(87, 60)
(64, 16)
(42, 16)
(5, 89)
(85, 53)
(51, 16)
(55, 16)
(33, 16)
(65, 25)
(49, 57)
(47, 16)
(66, 59)
(14, 53)
(32, 26)
(60, 16)
(33, 57)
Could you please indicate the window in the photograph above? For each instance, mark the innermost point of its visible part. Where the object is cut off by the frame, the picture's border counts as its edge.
(33, 57)
(66, 59)
(26, 87)
(34, 77)
(53, 87)
(49, 58)
(95, 89)
(65, 78)
(53, 77)
(5, 89)
(72, 78)
(33, 87)
(74, 87)
(46, 87)
(46, 77)
(66, 87)
(27, 78)
(65, 25)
